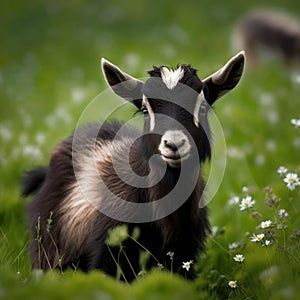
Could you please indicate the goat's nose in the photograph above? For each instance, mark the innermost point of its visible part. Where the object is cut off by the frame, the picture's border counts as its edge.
(171, 145)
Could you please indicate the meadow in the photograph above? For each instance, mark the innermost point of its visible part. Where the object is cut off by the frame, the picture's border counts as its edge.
(50, 73)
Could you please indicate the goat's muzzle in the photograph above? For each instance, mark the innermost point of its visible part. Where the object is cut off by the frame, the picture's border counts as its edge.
(174, 147)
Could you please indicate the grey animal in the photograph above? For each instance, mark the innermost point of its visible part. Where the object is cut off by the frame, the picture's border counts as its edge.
(269, 34)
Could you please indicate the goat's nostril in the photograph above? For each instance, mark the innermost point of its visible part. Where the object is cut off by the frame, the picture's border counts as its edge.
(169, 144)
(174, 146)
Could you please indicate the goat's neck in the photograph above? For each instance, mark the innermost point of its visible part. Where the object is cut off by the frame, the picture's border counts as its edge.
(164, 181)
(180, 220)
(182, 181)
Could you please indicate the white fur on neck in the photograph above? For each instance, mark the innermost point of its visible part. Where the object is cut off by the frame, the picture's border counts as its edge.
(200, 99)
(150, 111)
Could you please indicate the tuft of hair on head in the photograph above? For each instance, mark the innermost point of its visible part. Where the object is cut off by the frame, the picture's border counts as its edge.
(171, 77)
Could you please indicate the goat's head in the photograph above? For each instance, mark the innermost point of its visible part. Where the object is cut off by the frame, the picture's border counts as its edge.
(175, 103)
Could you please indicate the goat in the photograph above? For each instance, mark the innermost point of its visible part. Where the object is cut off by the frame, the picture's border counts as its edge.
(87, 189)
(269, 34)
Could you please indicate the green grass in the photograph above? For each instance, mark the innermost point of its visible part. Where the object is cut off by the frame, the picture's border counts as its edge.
(50, 72)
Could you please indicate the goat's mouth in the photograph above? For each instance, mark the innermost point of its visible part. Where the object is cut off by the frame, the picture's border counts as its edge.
(174, 147)
(174, 160)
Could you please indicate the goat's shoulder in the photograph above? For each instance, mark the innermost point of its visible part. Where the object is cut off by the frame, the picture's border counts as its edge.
(105, 144)
(91, 139)
(106, 131)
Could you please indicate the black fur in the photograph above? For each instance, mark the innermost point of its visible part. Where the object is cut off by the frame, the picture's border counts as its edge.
(32, 180)
(67, 231)
(182, 232)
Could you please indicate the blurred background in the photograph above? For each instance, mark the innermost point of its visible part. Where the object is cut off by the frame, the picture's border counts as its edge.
(50, 71)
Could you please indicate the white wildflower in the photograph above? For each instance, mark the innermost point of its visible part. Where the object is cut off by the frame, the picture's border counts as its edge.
(77, 95)
(239, 258)
(291, 180)
(187, 265)
(246, 202)
(214, 230)
(50, 120)
(267, 243)
(235, 152)
(295, 77)
(62, 114)
(296, 123)
(265, 224)
(296, 142)
(271, 145)
(5, 133)
(281, 170)
(245, 189)
(142, 273)
(272, 116)
(282, 213)
(260, 159)
(32, 151)
(234, 200)
(257, 238)
(233, 245)
(40, 138)
(170, 254)
(281, 226)
(232, 284)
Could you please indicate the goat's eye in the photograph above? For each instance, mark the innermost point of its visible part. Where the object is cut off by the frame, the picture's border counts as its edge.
(202, 110)
(144, 110)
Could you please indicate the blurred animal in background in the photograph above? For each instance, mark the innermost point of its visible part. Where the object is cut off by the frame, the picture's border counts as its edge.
(269, 34)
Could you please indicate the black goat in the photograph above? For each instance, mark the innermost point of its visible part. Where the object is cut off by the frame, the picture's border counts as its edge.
(108, 174)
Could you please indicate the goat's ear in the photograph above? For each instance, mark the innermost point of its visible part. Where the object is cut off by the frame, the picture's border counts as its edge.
(226, 78)
(121, 83)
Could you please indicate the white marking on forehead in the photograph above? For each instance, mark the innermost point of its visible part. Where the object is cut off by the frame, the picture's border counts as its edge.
(171, 77)
(146, 103)
(200, 99)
